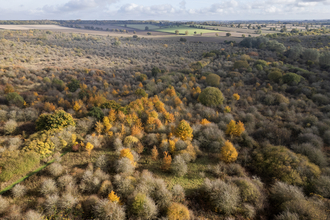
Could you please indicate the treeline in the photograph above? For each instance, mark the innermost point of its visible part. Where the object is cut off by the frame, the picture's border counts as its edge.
(18, 22)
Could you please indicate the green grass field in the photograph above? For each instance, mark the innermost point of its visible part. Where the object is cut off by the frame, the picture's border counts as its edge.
(183, 29)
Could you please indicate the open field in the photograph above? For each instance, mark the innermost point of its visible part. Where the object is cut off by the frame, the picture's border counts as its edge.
(183, 29)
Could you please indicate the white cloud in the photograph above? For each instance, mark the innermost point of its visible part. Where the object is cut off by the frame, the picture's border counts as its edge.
(148, 10)
(77, 5)
(182, 5)
(180, 10)
(273, 9)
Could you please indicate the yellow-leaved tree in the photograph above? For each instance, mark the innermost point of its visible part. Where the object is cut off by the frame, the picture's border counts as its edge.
(177, 211)
(99, 127)
(228, 152)
(205, 121)
(184, 131)
(106, 123)
(126, 152)
(236, 96)
(113, 197)
(89, 147)
(227, 109)
(112, 115)
(235, 129)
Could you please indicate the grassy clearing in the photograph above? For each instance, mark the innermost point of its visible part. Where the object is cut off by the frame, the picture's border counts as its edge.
(190, 182)
(141, 26)
(183, 29)
(17, 164)
(27, 167)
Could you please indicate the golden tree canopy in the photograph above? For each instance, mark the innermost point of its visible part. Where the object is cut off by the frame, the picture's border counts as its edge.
(228, 152)
(126, 152)
(113, 197)
(184, 131)
(234, 129)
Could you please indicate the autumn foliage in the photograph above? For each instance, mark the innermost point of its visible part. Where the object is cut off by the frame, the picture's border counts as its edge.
(167, 160)
(126, 152)
(228, 152)
(113, 197)
(235, 129)
(184, 131)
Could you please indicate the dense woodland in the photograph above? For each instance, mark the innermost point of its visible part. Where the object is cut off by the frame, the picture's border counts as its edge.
(135, 128)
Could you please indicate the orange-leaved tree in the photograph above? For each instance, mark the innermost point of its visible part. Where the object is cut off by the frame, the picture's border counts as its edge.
(154, 153)
(167, 160)
(205, 121)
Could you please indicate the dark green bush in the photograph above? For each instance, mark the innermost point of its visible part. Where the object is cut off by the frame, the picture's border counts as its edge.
(59, 119)
(15, 99)
(112, 104)
(275, 75)
(83, 93)
(182, 39)
(212, 80)
(263, 63)
(291, 78)
(143, 77)
(141, 92)
(241, 64)
(155, 70)
(58, 84)
(211, 96)
(281, 163)
(248, 191)
(73, 85)
(96, 112)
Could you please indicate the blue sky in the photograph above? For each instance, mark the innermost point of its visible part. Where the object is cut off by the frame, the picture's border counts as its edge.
(165, 9)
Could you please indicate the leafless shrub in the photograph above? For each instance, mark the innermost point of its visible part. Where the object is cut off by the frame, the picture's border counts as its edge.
(55, 169)
(33, 215)
(18, 190)
(48, 187)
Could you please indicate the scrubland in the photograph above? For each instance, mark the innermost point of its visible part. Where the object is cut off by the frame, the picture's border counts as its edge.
(104, 127)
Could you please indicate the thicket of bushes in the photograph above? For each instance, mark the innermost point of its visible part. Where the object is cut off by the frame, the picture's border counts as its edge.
(236, 132)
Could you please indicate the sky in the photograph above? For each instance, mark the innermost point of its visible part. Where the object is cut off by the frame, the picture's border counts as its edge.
(165, 9)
